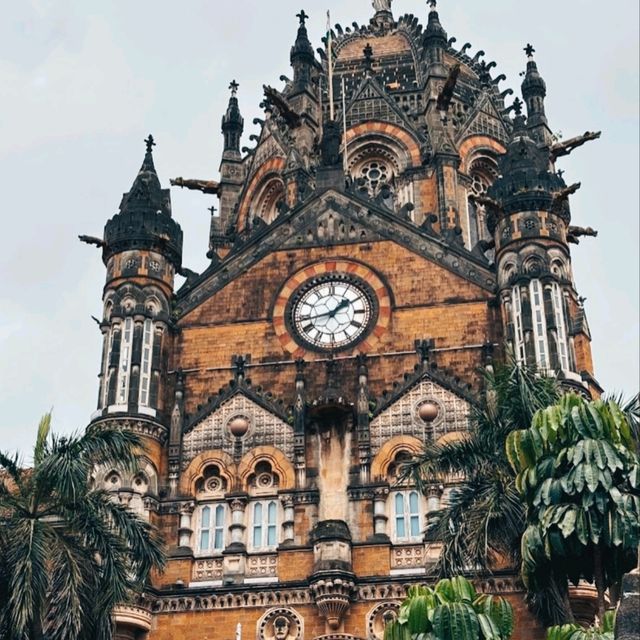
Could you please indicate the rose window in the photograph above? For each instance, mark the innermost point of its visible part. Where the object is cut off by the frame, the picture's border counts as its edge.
(375, 174)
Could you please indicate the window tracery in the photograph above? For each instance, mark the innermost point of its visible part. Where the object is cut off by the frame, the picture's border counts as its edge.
(483, 172)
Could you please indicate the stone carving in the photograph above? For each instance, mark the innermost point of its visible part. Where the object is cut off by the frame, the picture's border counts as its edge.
(402, 417)
(382, 5)
(280, 624)
(207, 570)
(379, 617)
(333, 598)
(212, 432)
(262, 566)
(408, 557)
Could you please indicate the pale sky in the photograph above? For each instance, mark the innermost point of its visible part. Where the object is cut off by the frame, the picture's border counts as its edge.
(83, 82)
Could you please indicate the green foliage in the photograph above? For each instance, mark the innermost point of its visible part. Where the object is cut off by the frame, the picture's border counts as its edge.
(484, 519)
(579, 472)
(575, 632)
(452, 610)
(68, 553)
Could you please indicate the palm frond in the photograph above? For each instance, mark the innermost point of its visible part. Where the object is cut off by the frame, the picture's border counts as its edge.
(44, 428)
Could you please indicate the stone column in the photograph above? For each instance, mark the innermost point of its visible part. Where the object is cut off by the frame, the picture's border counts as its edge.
(234, 565)
(434, 493)
(289, 519)
(186, 531)
(380, 517)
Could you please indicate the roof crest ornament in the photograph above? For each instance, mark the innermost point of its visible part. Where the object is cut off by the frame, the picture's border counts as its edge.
(529, 50)
(433, 4)
(382, 5)
(303, 17)
(234, 86)
(150, 143)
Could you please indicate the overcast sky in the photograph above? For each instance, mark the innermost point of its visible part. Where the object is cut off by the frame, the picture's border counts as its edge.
(83, 82)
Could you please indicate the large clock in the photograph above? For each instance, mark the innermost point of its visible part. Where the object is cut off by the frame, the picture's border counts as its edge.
(332, 312)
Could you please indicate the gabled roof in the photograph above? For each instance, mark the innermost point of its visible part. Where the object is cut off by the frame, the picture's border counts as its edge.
(354, 213)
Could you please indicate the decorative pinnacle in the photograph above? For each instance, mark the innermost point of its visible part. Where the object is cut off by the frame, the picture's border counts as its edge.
(303, 17)
(517, 106)
(150, 143)
(368, 56)
(234, 86)
(433, 4)
(529, 50)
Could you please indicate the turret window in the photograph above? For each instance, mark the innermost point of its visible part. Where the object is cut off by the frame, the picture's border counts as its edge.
(518, 330)
(145, 365)
(561, 326)
(539, 325)
(125, 362)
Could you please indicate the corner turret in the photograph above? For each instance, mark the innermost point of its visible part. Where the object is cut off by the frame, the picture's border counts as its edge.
(435, 39)
(302, 57)
(232, 125)
(534, 92)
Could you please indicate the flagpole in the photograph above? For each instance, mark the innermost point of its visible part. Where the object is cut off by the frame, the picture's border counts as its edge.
(344, 127)
(330, 62)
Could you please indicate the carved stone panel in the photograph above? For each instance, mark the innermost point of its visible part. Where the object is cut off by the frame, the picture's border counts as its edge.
(410, 557)
(280, 624)
(402, 417)
(379, 617)
(262, 566)
(264, 428)
(207, 570)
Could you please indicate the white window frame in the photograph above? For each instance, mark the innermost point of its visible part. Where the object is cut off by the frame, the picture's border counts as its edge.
(264, 524)
(518, 331)
(124, 367)
(215, 529)
(539, 323)
(148, 334)
(408, 517)
(108, 338)
(561, 326)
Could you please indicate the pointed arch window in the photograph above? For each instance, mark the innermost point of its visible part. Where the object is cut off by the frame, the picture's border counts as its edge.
(145, 364)
(561, 326)
(539, 324)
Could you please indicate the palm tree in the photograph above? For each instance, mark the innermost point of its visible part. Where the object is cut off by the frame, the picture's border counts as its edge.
(69, 553)
(484, 520)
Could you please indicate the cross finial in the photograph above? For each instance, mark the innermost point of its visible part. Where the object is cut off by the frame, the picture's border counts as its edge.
(234, 86)
(303, 17)
(150, 143)
(517, 106)
(529, 50)
(433, 4)
(212, 210)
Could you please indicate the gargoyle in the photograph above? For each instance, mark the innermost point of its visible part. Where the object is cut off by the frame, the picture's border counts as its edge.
(277, 100)
(563, 194)
(574, 233)
(487, 202)
(101, 244)
(446, 95)
(206, 186)
(565, 148)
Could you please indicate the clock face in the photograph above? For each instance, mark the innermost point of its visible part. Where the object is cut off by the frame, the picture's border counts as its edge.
(332, 312)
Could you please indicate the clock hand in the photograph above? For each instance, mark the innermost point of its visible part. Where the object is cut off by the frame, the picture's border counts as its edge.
(331, 314)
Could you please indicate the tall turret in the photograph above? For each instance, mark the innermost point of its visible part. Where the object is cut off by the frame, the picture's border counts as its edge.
(231, 170)
(142, 249)
(529, 218)
(435, 37)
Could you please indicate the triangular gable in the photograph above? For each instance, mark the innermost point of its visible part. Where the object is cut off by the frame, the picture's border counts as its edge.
(371, 102)
(211, 431)
(290, 230)
(484, 120)
(400, 416)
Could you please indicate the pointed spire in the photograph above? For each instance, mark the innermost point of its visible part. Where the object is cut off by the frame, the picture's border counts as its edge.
(146, 192)
(232, 122)
(368, 59)
(302, 56)
(144, 220)
(534, 90)
(435, 35)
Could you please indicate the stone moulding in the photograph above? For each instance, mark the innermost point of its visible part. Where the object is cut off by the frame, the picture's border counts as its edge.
(132, 616)
(141, 426)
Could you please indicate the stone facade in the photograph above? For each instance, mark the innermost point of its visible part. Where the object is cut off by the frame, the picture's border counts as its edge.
(358, 285)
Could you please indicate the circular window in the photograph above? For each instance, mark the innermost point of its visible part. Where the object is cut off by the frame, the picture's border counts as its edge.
(375, 174)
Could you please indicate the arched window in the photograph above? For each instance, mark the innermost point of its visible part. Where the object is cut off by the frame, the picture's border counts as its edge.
(264, 525)
(483, 171)
(145, 364)
(407, 525)
(211, 528)
(269, 197)
(124, 370)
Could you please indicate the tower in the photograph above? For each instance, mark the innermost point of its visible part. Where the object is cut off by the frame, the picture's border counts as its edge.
(362, 269)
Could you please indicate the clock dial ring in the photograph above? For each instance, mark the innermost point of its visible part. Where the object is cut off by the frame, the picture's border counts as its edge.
(332, 312)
